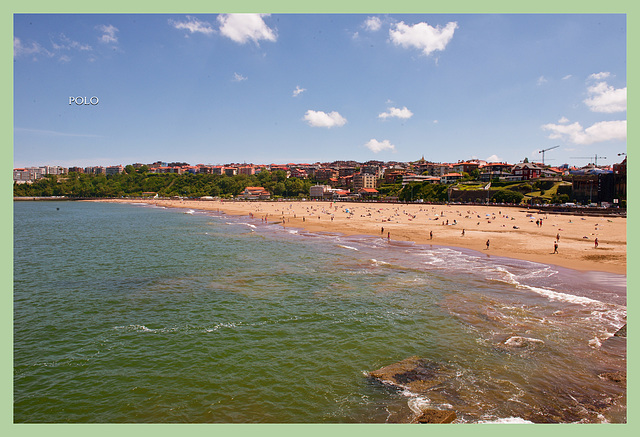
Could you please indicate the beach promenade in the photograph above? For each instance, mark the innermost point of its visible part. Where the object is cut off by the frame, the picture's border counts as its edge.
(514, 232)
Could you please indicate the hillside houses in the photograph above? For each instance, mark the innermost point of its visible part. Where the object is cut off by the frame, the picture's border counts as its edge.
(350, 179)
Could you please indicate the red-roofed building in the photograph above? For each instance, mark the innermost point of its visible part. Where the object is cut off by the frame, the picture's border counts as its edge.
(527, 170)
(450, 178)
(255, 193)
(367, 193)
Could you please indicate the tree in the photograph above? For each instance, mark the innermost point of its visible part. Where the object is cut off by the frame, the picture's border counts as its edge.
(506, 196)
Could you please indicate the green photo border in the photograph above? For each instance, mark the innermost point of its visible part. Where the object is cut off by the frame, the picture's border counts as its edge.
(11, 7)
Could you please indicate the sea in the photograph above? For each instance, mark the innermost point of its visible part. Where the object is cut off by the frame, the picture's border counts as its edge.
(134, 313)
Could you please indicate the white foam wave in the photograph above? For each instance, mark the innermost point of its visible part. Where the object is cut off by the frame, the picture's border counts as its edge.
(347, 247)
(375, 262)
(510, 278)
(506, 420)
(143, 328)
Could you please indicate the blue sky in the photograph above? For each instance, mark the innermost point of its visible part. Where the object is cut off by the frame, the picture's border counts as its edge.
(215, 89)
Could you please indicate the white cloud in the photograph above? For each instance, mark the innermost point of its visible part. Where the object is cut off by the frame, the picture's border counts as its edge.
(542, 80)
(19, 49)
(66, 43)
(403, 113)
(108, 34)
(563, 120)
(322, 119)
(493, 158)
(568, 76)
(238, 77)
(242, 28)
(298, 91)
(372, 24)
(193, 25)
(599, 76)
(422, 36)
(598, 132)
(605, 98)
(378, 146)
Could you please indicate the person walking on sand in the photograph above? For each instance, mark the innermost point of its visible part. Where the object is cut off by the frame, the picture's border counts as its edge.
(382, 230)
(555, 247)
(487, 245)
(430, 235)
(558, 236)
(596, 243)
(463, 232)
(388, 235)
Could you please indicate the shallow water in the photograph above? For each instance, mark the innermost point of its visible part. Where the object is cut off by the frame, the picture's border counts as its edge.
(134, 313)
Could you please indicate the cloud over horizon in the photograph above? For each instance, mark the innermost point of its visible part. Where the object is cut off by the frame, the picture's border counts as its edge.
(378, 146)
(323, 119)
(422, 36)
(193, 25)
(108, 34)
(605, 98)
(596, 133)
(243, 28)
(403, 113)
(372, 24)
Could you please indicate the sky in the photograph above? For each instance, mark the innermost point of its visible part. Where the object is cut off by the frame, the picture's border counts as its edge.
(303, 88)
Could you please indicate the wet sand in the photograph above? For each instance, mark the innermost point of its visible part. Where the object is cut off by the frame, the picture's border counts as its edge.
(513, 232)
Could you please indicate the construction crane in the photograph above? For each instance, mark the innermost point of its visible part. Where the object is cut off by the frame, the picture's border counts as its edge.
(595, 158)
(546, 150)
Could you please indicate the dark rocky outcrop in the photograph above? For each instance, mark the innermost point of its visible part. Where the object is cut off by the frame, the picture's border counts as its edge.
(413, 373)
(435, 416)
(622, 332)
(617, 377)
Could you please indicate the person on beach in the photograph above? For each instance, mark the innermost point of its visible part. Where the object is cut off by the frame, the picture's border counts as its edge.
(487, 245)
(382, 230)
(463, 232)
(558, 237)
(596, 243)
(555, 247)
(388, 235)
(430, 235)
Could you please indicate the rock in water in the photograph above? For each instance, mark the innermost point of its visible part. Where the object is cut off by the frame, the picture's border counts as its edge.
(435, 416)
(414, 373)
(523, 342)
(622, 332)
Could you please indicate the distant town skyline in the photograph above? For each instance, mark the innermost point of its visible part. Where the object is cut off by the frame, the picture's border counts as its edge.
(100, 89)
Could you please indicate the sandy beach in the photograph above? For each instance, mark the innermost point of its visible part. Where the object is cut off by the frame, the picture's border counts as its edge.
(513, 232)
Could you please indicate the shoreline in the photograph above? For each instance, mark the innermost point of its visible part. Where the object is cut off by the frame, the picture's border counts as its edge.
(513, 232)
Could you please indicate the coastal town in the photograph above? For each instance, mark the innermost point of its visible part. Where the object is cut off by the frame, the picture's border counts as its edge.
(469, 181)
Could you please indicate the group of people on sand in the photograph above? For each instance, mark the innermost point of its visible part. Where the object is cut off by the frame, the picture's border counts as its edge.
(488, 243)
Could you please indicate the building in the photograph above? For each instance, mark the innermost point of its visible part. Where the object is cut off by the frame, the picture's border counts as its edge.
(318, 191)
(363, 180)
(325, 174)
(95, 170)
(255, 193)
(247, 170)
(114, 169)
(527, 170)
(450, 178)
(408, 178)
(368, 193)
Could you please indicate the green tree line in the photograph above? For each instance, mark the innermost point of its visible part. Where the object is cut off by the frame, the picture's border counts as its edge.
(135, 182)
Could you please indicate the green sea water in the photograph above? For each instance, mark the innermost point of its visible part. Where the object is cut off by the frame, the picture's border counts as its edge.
(133, 313)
